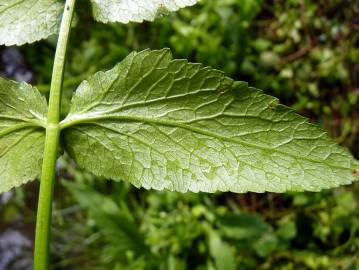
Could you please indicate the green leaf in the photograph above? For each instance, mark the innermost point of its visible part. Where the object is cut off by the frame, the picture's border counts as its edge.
(27, 21)
(22, 113)
(222, 253)
(126, 11)
(266, 244)
(116, 226)
(169, 124)
(243, 226)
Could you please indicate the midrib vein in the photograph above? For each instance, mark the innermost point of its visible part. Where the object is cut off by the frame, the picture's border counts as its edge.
(67, 123)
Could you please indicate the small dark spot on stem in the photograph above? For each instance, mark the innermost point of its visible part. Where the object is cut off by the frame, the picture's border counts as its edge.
(68, 7)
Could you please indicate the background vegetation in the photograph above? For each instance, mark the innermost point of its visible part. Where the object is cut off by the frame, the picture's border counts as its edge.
(302, 51)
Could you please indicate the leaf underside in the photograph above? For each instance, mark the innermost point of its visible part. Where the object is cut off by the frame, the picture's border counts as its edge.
(169, 124)
(22, 111)
(27, 21)
(125, 11)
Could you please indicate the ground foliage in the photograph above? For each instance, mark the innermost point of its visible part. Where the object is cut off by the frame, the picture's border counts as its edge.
(304, 52)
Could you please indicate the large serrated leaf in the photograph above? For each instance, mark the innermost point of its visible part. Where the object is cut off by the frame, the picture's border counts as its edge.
(125, 11)
(27, 21)
(22, 113)
(169, 124)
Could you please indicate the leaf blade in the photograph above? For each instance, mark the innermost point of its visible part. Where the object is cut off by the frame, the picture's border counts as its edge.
(168, 124)
(22, 114)
(135, 11)
(27, 21)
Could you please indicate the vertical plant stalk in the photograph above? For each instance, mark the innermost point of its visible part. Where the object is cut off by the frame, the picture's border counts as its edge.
(44, 212)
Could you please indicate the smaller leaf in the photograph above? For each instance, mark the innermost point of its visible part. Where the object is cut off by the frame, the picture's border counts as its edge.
(243, 226)
(222, 252)
(27, 21)
(22, 113)
(116, 226)
(266, 244)
(126, 11)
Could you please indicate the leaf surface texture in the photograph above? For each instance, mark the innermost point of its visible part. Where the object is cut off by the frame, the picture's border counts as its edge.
(22, 113)
(168, 124)
(125, 11)
(27, 21)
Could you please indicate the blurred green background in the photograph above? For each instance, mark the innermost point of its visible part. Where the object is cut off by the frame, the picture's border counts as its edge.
(304, 52)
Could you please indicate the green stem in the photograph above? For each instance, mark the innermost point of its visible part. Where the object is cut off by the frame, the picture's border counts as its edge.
(59, 63)
(44, 213)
